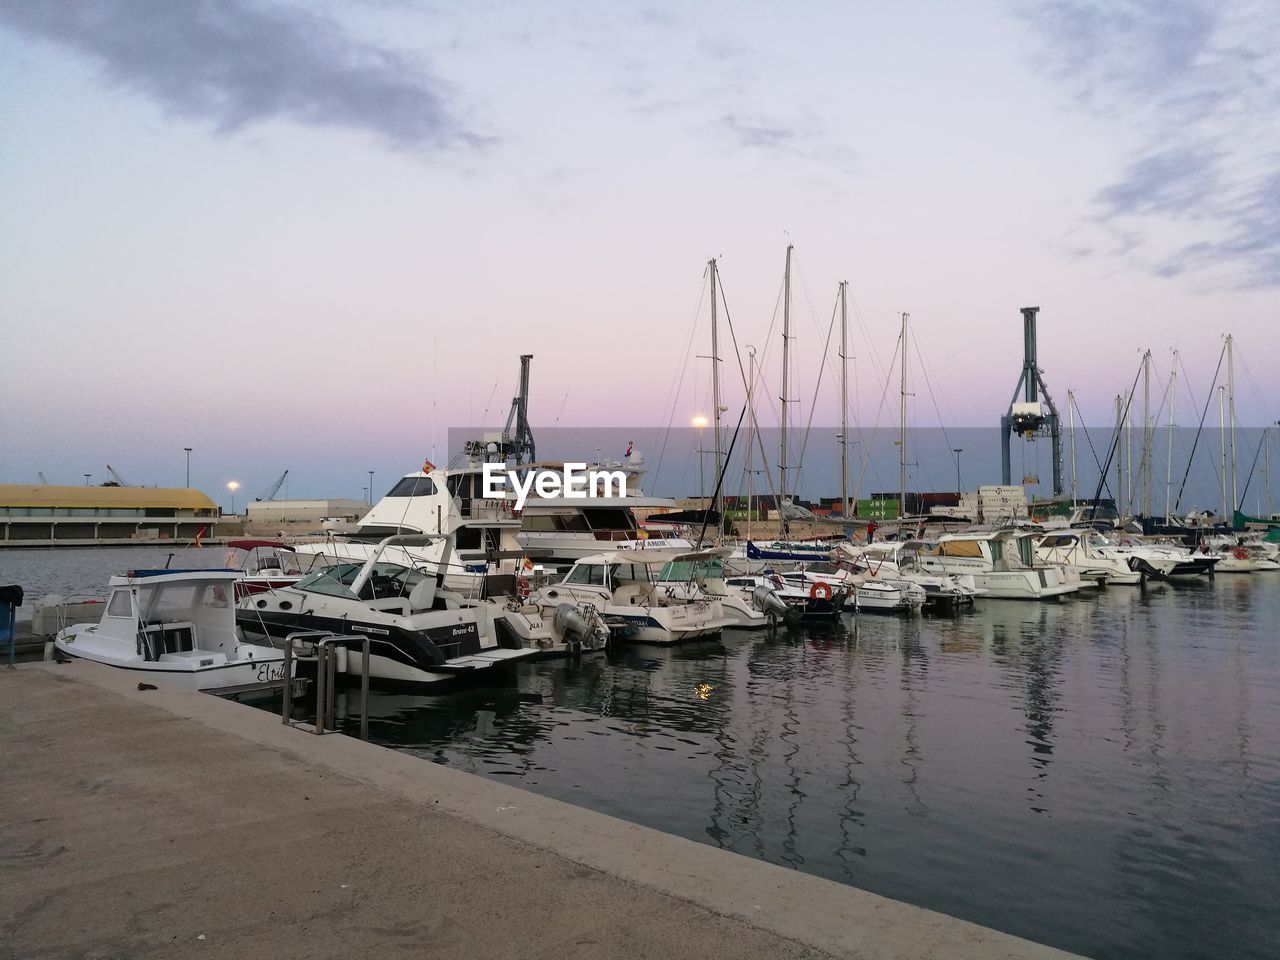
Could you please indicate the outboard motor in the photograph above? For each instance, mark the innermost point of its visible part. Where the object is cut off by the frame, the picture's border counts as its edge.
(579, 629)
(766, 600)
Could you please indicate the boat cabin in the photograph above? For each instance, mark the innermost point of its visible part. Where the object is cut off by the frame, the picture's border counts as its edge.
(172, 615)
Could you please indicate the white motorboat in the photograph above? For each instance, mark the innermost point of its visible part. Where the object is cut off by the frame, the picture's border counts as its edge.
(805, 601)
(176, 627)
(1090, 552)
(896, 560)
(1163, 561)
(863, 591)
(420, 632)
(620, 585)
(267, 564)
(1002, 562)
(1240, 556)
(700, 576)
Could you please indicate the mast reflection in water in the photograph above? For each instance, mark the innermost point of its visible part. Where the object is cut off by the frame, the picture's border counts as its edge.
(1101, 774)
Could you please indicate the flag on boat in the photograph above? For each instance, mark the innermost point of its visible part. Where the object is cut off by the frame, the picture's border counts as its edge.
(200, 534)
(630, 445)
(526, 565)
(427, 466)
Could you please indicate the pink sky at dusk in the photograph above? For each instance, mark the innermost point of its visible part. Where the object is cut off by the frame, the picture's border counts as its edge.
(317, 237)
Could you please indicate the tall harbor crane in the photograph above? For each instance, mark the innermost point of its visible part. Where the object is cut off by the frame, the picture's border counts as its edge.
(116, 479)
(515, 443)
(1031, 417)
(273, 489)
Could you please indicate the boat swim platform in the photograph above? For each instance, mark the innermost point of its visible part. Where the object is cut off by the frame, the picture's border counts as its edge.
(171, 823)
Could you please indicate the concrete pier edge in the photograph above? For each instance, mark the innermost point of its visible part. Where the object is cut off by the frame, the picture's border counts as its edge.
(818, 914)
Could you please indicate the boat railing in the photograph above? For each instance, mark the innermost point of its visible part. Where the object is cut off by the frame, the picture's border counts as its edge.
(324, 648)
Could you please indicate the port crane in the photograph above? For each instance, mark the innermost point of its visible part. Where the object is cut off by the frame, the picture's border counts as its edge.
(273, 489)
(1031, 417)
(116, 479)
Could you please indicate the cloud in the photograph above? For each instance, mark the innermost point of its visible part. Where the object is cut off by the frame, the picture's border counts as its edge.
(1192, 86)
(235, 63)
(758, 134)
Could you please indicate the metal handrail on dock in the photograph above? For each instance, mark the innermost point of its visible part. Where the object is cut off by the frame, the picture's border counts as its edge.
(324, 648)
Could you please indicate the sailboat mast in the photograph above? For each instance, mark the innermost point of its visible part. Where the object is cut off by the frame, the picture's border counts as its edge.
(1231, 411)
(715, 398)
(844, 400)
(786, 363)
(902, 425)
(1168, 467)
(1119, 456)
(1128, 458)
(1266, 465)
(1222, 430)
(751, 430)
(1071, 432)
(1146, 434)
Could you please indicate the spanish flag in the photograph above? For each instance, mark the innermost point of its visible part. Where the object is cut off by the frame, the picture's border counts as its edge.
(427, 466)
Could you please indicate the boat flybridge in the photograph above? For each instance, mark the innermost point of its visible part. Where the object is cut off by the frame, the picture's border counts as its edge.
(562, 529)
(621, 585)
(175, 627)
(421, 632)
(1002, 562)
(443, 505)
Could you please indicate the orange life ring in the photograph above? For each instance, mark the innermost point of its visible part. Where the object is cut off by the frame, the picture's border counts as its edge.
(820, 588)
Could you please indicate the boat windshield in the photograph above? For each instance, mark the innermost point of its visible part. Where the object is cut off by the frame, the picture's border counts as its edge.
(683, 570)
(173, 602)
(628, 573)
(385, 580)
(335, 581)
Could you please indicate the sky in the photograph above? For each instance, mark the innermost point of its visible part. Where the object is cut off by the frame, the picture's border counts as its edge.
(318, 236)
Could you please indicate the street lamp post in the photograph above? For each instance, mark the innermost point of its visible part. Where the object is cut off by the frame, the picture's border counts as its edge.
(86, 478)
(957, 451)
(188, 450)
(233, 486)
(700, 421)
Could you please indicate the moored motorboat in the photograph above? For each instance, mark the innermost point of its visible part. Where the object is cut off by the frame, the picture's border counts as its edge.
(175, 627)
(620, 585)
(1002, 562)
(421, 634)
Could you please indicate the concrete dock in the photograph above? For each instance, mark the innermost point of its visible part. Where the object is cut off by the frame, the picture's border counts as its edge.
(169, 823)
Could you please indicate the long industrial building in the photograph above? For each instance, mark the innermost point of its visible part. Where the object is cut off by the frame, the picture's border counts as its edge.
(45, 514)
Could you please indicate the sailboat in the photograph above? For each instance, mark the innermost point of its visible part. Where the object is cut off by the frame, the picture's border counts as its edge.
(783, 553)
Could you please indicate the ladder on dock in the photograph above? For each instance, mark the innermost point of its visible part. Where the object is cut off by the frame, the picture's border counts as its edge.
(322, 647)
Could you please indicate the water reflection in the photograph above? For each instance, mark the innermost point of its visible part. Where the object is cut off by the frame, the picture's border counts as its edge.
(1124, 747)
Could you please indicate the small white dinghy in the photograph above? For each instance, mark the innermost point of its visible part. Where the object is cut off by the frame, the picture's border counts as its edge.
(176, 627)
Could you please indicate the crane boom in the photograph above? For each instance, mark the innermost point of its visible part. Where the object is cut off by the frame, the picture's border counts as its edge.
(119, 480)
(274, 488)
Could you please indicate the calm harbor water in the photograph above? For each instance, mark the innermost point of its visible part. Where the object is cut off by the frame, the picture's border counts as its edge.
(85, 570)
(1101, 773)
